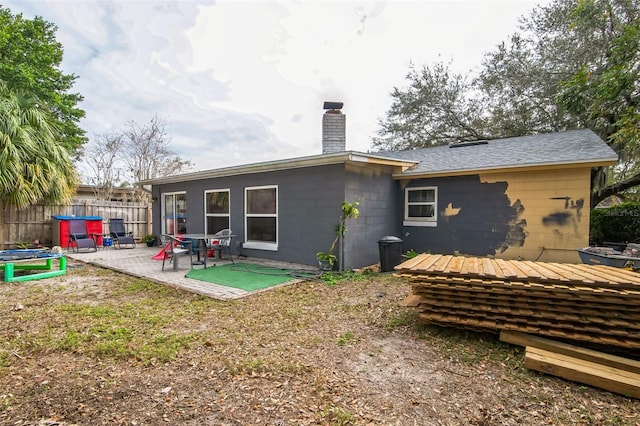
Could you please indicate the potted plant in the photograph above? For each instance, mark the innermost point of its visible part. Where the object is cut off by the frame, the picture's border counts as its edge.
(326, 260)
(149, 240)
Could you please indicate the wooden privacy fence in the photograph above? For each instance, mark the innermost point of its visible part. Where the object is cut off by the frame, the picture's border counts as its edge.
(35, 223)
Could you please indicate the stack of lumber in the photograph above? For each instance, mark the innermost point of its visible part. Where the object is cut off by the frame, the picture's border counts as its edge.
(610, 372)
(583, 303)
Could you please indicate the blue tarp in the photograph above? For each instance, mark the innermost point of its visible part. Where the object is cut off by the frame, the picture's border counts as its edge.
(77, 217)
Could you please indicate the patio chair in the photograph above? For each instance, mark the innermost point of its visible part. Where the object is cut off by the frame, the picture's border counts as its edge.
(174, 248)
(79, 238)
(221, 243)
(119, 235)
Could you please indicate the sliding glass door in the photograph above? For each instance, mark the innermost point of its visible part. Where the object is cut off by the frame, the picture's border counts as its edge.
(174, 213)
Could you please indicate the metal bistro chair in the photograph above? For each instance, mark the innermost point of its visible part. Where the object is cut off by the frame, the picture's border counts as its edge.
(224, 242)
(79, 238)
(174, 248)
(119, 235)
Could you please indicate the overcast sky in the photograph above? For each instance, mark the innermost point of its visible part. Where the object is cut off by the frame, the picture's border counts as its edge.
(244, 81)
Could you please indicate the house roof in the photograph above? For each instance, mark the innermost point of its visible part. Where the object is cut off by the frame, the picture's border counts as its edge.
(287, 164)
(581, 148)
(575, 147)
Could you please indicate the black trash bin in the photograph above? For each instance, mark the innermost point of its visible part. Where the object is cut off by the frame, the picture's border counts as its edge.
(390, 253)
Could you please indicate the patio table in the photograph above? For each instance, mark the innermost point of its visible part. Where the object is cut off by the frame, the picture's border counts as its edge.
(12, 260)
(200, 247)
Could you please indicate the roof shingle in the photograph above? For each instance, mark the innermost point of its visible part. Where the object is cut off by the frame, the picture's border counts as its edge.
(570, 147)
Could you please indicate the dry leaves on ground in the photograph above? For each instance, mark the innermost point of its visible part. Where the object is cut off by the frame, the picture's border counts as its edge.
(97, 347)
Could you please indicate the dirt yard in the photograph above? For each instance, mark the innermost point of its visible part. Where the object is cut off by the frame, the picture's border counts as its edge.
(100, 348)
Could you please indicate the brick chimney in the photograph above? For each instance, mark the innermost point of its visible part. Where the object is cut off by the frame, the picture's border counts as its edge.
(333, 128)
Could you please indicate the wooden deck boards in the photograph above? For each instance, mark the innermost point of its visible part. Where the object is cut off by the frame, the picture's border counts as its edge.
(523, 270)
(596, 304)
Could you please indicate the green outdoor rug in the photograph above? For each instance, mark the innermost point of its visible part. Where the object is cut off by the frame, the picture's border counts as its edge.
(245, 276)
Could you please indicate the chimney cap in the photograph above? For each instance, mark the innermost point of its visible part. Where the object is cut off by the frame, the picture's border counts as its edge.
(332, 105)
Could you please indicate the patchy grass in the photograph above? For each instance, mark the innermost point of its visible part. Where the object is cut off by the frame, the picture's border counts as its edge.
(335, 278)
(470, 347)
(98, 347)
(347, 338)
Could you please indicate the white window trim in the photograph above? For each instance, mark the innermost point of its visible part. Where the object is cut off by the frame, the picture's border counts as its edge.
(423, 224)
(261, 245)
(415, 221)
(228, 215)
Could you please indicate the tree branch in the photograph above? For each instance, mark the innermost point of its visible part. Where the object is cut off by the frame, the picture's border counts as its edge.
(614, 189)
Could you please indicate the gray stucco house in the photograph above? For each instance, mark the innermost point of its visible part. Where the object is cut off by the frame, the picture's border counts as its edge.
(525, 197)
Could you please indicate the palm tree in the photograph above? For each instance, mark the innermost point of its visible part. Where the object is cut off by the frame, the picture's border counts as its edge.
(34, 166)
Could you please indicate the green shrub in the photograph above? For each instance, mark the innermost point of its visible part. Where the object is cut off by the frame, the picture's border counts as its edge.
(619, 223)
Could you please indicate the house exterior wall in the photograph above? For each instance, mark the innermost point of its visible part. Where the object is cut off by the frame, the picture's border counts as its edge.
(309, 201)
(535, 215)
(556, 208)
(379, 204)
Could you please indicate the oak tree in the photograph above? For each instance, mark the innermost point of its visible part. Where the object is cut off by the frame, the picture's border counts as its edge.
(571, 64)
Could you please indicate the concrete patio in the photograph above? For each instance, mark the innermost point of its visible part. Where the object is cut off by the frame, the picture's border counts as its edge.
(138, 262)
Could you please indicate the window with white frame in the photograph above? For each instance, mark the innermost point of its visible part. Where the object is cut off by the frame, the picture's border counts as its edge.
(261, 217)
(421, 206)
(216, 210)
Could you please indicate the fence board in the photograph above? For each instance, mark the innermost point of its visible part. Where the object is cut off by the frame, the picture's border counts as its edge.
(34, 223)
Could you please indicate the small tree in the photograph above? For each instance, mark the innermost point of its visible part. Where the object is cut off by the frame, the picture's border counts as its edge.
(137, 153)
(103, 155)
(349, 210)
(148, 154)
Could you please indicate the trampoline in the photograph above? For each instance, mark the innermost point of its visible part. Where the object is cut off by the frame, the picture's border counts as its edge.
(31, 260)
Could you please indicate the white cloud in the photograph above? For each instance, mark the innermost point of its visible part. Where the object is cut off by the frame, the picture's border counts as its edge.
(244, 81)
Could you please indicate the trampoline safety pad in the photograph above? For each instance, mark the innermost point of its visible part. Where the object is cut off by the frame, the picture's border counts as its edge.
(31, 260)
